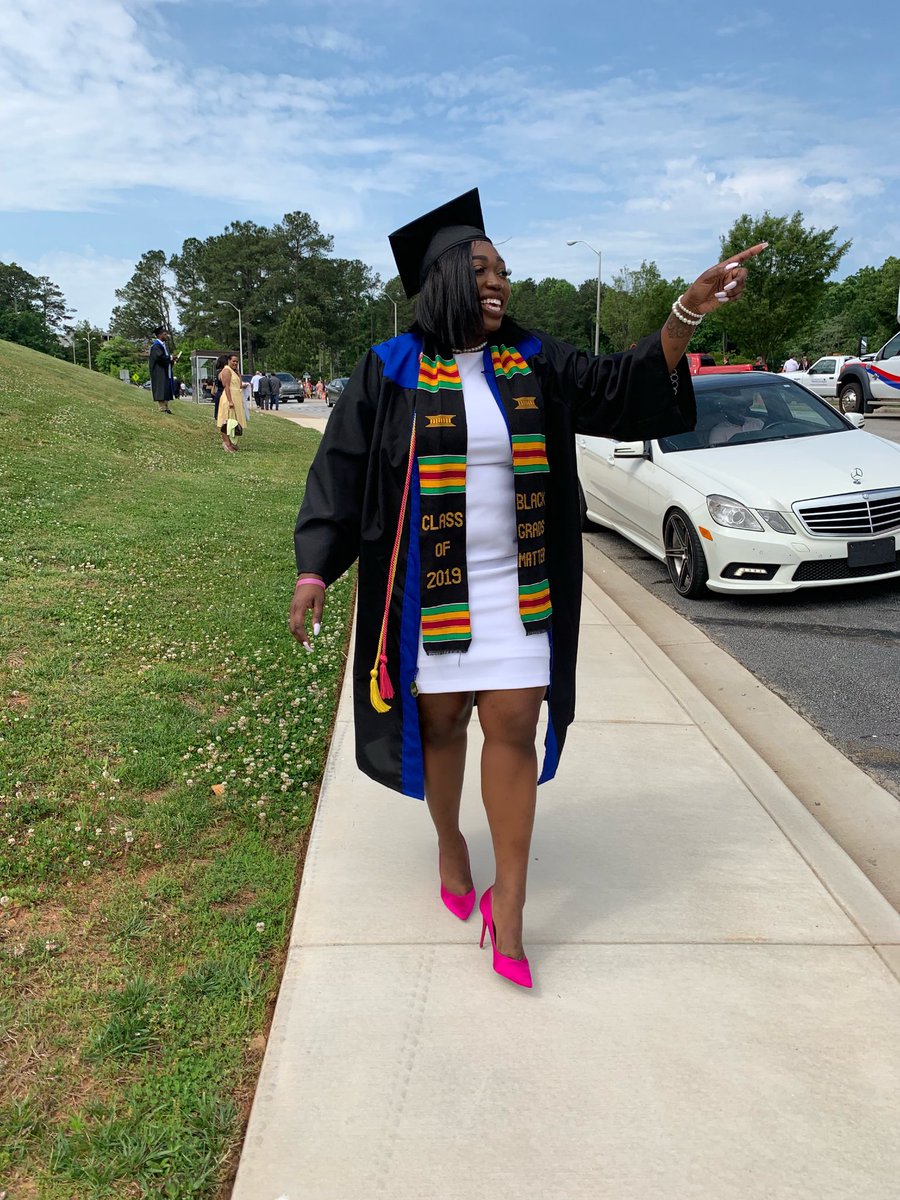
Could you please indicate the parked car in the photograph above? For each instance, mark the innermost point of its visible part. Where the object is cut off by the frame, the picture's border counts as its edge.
(334, 389)
(822, 376)
(291, 387)
(797, 496)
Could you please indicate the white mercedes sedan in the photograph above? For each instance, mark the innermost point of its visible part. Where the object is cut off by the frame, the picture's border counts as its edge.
(773, 491)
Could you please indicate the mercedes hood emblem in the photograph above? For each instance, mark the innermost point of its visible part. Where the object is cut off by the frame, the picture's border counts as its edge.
(856, 475)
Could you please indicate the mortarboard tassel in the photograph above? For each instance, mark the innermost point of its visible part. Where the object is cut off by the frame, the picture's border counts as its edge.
(380, 687)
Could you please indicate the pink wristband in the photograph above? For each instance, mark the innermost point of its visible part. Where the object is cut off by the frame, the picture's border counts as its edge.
(310, 579)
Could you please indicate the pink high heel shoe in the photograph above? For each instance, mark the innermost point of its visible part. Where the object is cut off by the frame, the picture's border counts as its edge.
(460, 906)
(516, 970)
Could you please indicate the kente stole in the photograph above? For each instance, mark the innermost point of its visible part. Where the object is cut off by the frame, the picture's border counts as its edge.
(441, 444)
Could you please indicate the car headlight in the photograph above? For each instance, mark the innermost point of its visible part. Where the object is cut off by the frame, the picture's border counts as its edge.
(775, 520)
(732, 514)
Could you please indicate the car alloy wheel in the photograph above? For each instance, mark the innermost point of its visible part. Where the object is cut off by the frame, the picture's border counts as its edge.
(851, 399)
(685, 560)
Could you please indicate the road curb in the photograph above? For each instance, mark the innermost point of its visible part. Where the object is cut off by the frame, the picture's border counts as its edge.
(787, 756)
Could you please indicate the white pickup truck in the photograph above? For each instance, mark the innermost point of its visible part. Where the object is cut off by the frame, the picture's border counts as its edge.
(822, 376)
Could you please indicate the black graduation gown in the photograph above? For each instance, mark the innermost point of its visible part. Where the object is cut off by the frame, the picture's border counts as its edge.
(353, 498)
(160, 372)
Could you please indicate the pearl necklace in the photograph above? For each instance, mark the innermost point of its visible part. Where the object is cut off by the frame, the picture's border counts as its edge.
(469, 349)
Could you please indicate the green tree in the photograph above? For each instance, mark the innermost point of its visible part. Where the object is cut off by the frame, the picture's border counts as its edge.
(118, 354)
(557, 307)
(637, 304)
(785, 284)
(33, 310)
(864, 305)
(146, 300)
(297, 342)
(83, 342)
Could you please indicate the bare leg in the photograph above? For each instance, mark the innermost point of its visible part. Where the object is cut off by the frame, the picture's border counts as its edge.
(509, 789)
(443, 721)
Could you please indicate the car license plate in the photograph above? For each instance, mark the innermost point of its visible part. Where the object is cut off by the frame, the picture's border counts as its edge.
(871, 554)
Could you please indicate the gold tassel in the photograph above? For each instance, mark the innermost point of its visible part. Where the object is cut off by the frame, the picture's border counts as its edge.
(374, 695)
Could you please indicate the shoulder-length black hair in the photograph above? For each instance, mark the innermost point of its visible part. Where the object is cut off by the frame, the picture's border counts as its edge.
(448, 309)
(222, 361)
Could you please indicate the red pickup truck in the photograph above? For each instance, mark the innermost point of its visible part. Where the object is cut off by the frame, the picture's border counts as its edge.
(705, 364)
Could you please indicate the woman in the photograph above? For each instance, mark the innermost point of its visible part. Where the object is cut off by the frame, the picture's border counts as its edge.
(231, 401)
(320, 389)
(462, 431)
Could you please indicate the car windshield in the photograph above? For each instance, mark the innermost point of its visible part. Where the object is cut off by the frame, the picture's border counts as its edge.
(285, 377)
(737, 410)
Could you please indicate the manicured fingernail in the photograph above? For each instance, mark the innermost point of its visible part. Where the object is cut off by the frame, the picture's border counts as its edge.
(307, 647)
(721, 295)
(765, 245)
(316, 628)
(731, 267)
(729, 286)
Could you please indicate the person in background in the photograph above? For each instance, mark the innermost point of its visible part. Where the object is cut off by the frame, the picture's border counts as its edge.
(320, 389)
(231, 401)
(161, 386)
(804, 362)
(736, 418)
(274, 391)
(263, 392)
(790, 366)
(254, 385)
(759, 363)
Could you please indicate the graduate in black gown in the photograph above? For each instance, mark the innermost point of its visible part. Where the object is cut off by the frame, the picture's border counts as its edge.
(387, 488)
(161, 361)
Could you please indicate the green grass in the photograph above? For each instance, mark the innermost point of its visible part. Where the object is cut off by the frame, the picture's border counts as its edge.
(145, 578)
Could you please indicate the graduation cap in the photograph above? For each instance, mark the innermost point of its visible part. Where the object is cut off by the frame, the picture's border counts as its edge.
(418, 245)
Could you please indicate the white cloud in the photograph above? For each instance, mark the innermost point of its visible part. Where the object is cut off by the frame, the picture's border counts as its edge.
(330, 41)
(88, 279)
(644, 166)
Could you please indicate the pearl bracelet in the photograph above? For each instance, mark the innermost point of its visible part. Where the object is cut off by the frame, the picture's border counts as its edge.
(685, 315)
(310, 579)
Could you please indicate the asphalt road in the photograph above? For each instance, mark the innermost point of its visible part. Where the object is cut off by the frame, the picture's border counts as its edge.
(833, 654)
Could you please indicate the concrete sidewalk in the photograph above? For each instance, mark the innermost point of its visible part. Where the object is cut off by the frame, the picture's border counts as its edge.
(716, 1012)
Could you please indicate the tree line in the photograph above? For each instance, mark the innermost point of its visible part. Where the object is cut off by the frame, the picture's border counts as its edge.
(302, 309)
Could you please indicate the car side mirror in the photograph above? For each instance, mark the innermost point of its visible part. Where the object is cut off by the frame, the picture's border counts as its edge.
(856, 419)
(630, 450)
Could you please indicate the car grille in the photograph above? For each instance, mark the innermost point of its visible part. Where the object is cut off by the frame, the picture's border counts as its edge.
(853, 515)
(837, 568)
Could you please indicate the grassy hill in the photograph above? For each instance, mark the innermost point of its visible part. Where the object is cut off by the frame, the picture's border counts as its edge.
(161, 741)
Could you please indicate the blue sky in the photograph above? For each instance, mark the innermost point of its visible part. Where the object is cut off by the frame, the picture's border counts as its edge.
(644, 128)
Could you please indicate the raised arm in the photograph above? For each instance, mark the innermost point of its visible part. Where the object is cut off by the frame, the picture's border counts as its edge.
(721, 284)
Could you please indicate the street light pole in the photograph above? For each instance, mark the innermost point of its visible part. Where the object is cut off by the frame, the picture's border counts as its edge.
(88, 340)
(240, 332)
(580, 241)
(394, 302)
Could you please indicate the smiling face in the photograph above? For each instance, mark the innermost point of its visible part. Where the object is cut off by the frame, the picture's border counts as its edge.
(492, 280)
(233, 362)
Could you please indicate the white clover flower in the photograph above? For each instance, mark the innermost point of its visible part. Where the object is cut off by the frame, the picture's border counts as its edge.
(260, 926)
(85, 862)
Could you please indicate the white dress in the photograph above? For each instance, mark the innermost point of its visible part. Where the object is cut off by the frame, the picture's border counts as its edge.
(501, 654)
